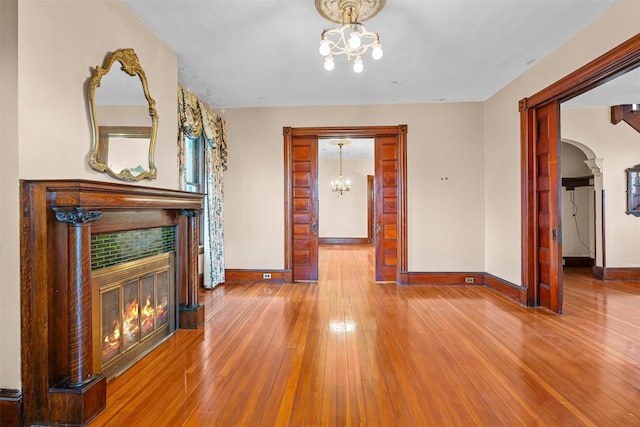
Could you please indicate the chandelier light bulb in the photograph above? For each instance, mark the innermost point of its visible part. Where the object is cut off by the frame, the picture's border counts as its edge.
(376, 53)
(324, 49)
(328, 63)
(354, 40)
(358, 66)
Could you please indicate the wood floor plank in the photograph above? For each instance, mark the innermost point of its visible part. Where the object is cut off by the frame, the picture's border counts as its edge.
(348, 351)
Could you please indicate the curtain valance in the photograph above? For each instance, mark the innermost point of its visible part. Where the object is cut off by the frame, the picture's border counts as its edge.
(196, 116)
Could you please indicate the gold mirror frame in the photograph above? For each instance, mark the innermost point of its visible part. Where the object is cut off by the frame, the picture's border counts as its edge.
(99, 151)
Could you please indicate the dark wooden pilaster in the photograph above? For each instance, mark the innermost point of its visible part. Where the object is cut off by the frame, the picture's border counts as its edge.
(79, 291)
(83, 394)
(191, 313)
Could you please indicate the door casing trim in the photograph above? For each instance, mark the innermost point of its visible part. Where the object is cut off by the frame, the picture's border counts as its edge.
(349, 132)
(619, 60)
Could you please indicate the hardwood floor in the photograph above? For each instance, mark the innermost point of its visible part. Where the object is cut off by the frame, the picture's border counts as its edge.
(347, 351)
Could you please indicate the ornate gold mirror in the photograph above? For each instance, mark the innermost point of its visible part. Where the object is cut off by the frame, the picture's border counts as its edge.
(123, 118)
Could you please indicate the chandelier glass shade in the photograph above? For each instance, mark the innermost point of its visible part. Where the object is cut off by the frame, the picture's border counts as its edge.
(352, 39)
(340, 185)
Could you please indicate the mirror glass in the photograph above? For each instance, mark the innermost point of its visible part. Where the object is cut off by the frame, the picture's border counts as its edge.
(123, 117)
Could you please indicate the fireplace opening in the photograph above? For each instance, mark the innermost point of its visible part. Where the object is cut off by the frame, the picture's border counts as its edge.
(134, 301)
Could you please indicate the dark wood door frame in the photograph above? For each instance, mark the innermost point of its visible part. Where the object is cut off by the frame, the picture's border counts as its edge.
(608, 66)
(349, 132)
(370, 208)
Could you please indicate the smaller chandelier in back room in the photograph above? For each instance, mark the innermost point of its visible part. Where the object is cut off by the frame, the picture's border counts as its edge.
(340, 185)
(352, 39)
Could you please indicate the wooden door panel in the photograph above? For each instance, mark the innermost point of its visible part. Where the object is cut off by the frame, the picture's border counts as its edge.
(387, 179)
(390, 232)
(304, 208)
(301, 152)
(301, 193)
(301, 204)
(301, 231)
(302, 179)
(304, 218)
(548, 211)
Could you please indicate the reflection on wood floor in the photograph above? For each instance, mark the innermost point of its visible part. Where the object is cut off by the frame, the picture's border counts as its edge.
(347, 351)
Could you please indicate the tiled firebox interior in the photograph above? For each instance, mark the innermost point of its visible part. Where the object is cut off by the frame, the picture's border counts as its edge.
(117, 248)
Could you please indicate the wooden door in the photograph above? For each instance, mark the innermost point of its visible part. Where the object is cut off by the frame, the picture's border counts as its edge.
(370, 208)
(304, 175)
(548, 207)
(387, 181)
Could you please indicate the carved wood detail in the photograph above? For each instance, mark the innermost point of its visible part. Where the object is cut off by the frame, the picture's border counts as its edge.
(58, 219)
(626, 114)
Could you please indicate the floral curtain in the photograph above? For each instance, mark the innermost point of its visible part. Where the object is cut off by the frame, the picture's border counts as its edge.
(195, 119)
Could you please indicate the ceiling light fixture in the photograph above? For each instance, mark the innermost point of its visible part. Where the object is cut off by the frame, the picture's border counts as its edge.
(340, 185)
(352, 39)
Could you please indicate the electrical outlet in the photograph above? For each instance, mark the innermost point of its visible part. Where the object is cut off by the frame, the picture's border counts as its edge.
(469, 280)
(266, 275)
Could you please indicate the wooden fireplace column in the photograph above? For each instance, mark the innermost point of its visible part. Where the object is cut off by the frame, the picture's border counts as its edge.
(58, 219)
(191, 312)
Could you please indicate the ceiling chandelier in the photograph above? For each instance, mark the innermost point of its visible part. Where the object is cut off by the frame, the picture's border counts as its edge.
(352, 39)
(340, 185)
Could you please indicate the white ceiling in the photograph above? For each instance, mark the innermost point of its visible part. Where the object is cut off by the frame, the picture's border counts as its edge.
(624, 89)
(251, 53)
(358, 148)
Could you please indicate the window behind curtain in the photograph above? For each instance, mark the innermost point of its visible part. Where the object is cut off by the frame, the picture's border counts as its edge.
(194, 166)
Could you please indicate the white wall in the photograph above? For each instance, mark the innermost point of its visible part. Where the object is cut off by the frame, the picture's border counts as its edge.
(48, 49)
(10, 212)
(343, 215)
(619, 147)
(577, 206)
(445, 218)
(53, 75)
(577, 222)
(502, 132)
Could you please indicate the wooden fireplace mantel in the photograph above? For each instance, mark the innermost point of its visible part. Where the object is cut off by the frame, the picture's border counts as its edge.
(58, 219)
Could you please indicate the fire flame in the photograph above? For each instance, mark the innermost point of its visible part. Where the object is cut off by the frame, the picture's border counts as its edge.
(134, 320)
(111, 345)
(130, 326)
(162, 311)
(147, 314)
